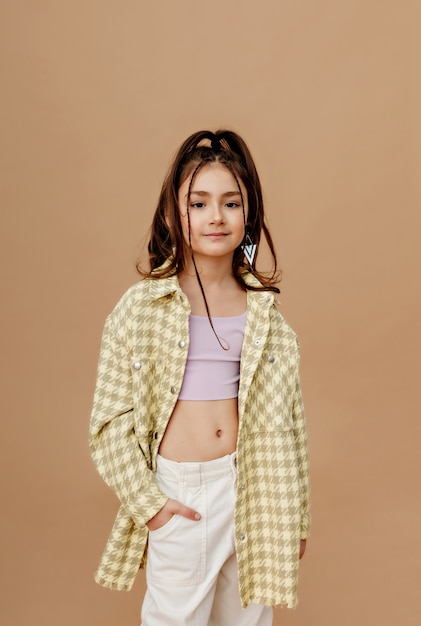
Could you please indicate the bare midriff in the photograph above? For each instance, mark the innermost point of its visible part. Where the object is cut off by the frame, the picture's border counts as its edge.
(201, 430)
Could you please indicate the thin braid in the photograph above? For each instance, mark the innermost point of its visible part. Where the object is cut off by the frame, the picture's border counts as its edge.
(225, 147)
(228, 165)
(198, 167)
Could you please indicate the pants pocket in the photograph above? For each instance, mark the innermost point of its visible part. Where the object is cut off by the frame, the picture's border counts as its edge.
(177, 550)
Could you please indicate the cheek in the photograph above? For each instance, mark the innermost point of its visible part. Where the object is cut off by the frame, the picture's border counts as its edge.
(240, 224)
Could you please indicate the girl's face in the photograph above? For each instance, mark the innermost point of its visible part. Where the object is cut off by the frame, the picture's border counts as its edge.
(216, 212)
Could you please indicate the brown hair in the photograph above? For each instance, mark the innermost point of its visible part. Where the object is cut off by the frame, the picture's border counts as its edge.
(167, 242)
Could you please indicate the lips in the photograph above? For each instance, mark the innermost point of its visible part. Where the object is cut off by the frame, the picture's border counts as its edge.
(216, 235)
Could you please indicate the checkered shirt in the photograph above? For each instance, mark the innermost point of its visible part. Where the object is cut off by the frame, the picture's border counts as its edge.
(140, 373)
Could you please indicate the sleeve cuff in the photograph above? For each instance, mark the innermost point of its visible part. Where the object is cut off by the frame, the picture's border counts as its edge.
(305, 527)
(147, 504)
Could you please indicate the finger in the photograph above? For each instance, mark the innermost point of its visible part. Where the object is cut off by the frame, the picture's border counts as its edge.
(303, 544)
(186, 511)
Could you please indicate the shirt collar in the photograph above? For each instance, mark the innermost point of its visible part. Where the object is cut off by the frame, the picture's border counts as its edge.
(262, 297)
(161, 287)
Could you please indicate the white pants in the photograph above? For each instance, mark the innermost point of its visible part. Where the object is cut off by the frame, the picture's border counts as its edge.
(191, 571)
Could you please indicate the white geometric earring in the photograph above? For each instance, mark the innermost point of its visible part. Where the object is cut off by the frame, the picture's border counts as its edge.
(249, 249)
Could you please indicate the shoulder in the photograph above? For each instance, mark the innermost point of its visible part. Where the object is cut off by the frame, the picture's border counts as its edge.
(281, 320)
(262, 299)
(119, 319)
(139, 292)
(135, 294)
(143, 298)
(282, 331)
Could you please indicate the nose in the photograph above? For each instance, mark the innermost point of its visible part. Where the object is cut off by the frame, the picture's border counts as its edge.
(216, 216)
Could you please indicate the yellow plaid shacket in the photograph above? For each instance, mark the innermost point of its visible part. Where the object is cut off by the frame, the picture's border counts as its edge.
(140, 372)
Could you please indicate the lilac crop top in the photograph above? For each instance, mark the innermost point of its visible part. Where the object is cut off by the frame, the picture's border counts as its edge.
(211, 372)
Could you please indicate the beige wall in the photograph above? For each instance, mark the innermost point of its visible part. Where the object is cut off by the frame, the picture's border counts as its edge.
(96, 96)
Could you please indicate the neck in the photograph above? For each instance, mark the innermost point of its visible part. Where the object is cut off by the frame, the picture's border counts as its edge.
(216, 292)
(216, 271)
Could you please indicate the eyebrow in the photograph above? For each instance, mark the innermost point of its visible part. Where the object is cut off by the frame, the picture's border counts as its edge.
(226, 194)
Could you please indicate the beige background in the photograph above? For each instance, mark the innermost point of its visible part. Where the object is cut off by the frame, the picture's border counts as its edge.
(96, 97)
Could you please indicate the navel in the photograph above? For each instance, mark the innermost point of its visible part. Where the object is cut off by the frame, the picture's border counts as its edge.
(219, 433)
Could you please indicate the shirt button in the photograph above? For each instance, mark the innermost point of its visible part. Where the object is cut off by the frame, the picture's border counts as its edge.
(257, 342)
(271, 358)
(242, 537)
(137, 365)
(173, 389)
(155, 435)
(181, 344)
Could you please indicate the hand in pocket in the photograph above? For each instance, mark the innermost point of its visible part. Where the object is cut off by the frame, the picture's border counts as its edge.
(172, 507)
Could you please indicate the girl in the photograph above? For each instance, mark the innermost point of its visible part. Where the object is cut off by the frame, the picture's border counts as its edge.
(198, 423)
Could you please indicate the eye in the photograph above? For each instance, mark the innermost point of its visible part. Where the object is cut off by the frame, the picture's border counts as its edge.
(232, 205)
(197, 205)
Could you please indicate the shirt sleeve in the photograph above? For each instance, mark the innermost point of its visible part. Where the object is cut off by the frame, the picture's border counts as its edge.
(300, 434)
(113, 442)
